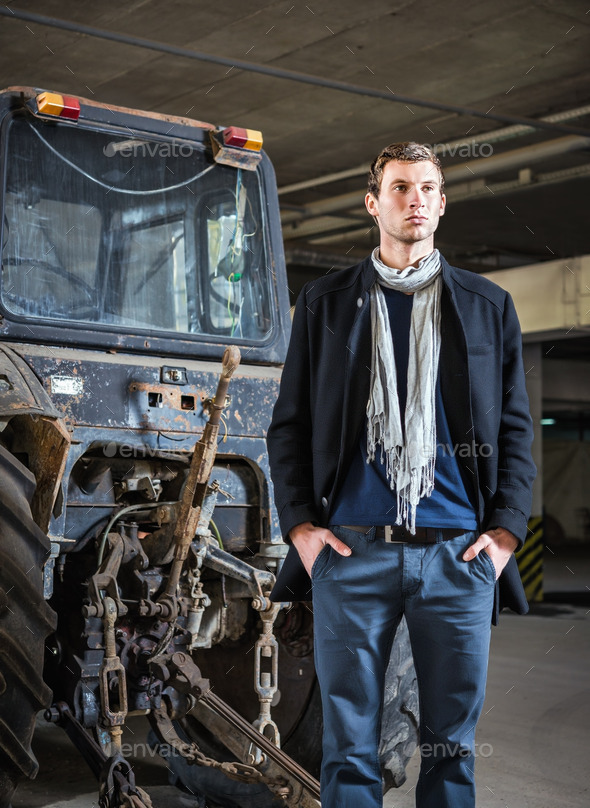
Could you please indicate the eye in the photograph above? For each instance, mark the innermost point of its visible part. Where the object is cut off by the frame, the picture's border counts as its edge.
(428, 187)
(399, 187)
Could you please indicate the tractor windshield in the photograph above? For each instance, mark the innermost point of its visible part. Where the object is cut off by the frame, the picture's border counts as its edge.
(127, 233)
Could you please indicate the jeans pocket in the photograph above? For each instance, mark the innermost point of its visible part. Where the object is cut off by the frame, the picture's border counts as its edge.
(489, 564)
(320, 561)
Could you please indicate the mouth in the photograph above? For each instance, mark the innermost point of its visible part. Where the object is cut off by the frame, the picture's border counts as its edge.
(416, 219)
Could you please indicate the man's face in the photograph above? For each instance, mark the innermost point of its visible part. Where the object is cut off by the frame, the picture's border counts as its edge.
(410, 202)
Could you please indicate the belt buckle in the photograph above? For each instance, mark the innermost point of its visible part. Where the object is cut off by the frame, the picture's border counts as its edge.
(388, 531)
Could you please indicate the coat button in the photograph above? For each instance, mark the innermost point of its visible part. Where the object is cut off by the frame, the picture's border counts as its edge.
(324, 502)
(359, 302)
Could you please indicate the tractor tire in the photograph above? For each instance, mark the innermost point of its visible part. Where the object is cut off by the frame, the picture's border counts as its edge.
(25, 621)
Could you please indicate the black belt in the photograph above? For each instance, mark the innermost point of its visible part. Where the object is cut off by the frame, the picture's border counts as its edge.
(398, 533)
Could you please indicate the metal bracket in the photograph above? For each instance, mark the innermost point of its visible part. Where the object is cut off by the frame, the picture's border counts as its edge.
(266, 682)
(105, 580)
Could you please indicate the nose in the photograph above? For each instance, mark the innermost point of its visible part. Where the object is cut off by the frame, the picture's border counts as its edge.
(416, 200)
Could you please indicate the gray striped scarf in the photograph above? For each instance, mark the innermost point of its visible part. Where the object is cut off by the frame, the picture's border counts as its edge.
(409, 463)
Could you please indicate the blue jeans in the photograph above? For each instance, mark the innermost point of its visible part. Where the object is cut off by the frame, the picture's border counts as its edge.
(358, 602)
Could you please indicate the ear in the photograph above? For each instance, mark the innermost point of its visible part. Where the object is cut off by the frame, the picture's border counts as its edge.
(371, 204)
(443, 204)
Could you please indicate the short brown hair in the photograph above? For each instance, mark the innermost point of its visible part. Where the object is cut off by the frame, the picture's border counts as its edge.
(408, 152)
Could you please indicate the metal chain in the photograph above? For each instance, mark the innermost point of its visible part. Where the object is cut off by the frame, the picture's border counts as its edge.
(193, 755)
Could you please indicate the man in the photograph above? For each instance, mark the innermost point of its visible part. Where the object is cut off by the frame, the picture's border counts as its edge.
(400, 456)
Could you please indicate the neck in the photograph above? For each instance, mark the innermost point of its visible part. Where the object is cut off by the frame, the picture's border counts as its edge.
(399, 255)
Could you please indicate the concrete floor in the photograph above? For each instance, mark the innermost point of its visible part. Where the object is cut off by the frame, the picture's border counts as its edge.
(534, 732)
(533, 737)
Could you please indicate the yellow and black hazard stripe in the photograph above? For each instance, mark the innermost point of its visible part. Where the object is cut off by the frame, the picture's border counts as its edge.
(530, 560)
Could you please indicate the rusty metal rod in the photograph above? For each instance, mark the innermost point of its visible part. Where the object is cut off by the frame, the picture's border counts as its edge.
(262, 742)
(199, 472)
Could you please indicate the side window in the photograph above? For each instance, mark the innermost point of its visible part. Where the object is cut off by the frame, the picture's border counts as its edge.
(236, 286)
(225, 269)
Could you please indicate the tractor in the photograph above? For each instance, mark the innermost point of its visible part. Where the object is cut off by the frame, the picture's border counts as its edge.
(144, 320)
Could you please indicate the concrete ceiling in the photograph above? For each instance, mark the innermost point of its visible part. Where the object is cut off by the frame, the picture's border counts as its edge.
(527, 59)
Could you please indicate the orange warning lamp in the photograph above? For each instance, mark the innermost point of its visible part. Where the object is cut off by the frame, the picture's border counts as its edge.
(240, 138)
(59, 106)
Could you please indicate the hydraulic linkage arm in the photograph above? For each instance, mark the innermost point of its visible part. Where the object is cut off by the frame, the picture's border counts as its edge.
(194, 493)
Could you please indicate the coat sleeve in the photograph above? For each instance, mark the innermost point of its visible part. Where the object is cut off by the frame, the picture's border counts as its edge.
(289, 438)
(516, 470)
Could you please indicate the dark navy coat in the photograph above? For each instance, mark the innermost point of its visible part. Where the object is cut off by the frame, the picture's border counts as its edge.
(321, 408)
